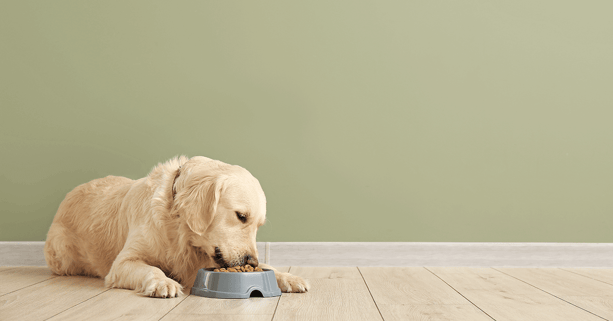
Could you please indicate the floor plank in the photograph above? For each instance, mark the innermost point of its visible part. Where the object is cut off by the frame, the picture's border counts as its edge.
(48, 298)
(336, 293)
(15, 278)
(589, 294)
(196, 308)
(120, 304)
(414, 293)
(603, 275)
(217, 317)
(432, 312)
(506, 298)
(559, 282)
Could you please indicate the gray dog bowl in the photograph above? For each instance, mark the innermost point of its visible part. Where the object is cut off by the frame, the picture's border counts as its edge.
(235, 285)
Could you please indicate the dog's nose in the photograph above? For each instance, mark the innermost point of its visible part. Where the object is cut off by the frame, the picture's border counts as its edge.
(251, 260)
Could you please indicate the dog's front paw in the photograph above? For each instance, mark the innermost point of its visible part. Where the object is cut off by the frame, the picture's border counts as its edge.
(290, 283)
(161, 287)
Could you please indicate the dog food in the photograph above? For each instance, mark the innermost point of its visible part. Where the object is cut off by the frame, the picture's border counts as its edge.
(246, 268)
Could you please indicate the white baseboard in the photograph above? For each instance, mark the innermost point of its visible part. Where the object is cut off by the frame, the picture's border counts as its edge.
(441, 254)
(22, 253)
(390, 254)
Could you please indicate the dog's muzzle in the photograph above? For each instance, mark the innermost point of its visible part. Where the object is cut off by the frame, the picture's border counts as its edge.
(247, 259)
(218, 258)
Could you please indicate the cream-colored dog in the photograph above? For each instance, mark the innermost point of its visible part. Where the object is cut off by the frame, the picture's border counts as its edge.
(153, 234)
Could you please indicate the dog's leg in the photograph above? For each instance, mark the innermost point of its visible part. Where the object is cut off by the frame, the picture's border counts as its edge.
(136, 275)
(288, 282)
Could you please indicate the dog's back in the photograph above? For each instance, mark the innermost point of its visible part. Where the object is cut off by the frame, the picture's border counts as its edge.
(85, 235)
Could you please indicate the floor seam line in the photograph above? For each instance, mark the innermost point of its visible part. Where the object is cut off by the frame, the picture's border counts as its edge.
(27, 286)
(75, 305)
(176, 305)
(373, 298)
(471, 302)
(551, 294)
(585, 276)
(278, 301)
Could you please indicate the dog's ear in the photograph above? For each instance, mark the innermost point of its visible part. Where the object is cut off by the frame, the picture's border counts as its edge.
(197, 203)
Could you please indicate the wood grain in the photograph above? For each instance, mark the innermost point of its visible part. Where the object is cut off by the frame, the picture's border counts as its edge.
(200, 307)
(589, 294)
(432, 312)
(120, 304)
(337, 293)
(217, 317)
(603, 275)
(408, 285)
(48, 298)
(559, 282)
(506, 298)
(15, 278)
(414, 293)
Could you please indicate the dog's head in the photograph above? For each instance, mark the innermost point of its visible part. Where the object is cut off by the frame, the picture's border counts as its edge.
(222, 207)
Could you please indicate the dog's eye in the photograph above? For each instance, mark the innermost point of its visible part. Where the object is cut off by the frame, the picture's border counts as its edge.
(241, 217)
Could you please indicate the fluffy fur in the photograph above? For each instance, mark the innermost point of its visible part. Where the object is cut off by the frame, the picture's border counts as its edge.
(153, 234)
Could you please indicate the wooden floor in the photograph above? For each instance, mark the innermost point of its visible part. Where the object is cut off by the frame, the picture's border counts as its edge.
(337, 293)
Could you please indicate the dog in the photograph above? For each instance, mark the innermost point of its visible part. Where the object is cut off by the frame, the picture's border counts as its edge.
(152, 235)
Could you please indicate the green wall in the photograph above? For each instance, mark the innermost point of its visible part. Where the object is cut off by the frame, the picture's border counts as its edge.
(364, 120)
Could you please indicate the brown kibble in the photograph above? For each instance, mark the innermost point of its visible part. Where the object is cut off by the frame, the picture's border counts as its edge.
(245, 268)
